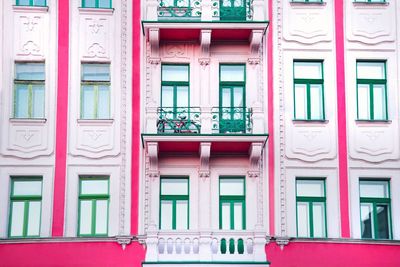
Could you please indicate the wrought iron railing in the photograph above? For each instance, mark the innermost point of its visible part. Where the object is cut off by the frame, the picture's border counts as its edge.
(178, 120)
(228, 10)
(175, 9)
(232, 120)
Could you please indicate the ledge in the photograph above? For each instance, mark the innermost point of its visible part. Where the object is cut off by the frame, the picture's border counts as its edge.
(95, 121)
(381, 4)
(346, 241)
(373, 122)
(208, 263)
(26, 9)
(300, 3)
(296, 121)
(91, 10)
(27, 121)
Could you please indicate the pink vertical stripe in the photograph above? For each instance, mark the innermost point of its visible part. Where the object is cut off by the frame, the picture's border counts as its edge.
(342, 135)
(271, 161)
(61, 122)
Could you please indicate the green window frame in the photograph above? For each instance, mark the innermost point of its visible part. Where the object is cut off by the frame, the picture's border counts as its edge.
(375, 210)
(93, 206)
(308, 90)
(97, 3)
(371, 90)
(95, 91)
(31, 3)
(29, 90)
(174, 196)
(232, 203)
(25, 207)
(311, 208)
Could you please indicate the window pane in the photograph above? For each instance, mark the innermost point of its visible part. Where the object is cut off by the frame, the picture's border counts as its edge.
(87, 102)
(182, 3)
(94, 187)
(105, 3)
(85, 223)
(101, 216)
(21, 101)
(89, 3)
(166, 215)
(374, 189)
(302, 220)
(366, 220)
(29, 71)
(103, 106)
(370, 70)
(168, 3)
(181, 214)
(238, 213)
(96, 72)
(175, 73)
(231, 73)
(231, 187)
(38, 101)
(182, 96)
(307, 70)
(226, 216)
(23, 2)
(319, 219)
(174, 186)
(167, 97)
(34, 218)
(238, 97)
(27, 188)
(39, 2)
(310, 188)
(17, 218)
(300, 99)
(379, 102)
(363, 102)
(316, 102)
(382, 221)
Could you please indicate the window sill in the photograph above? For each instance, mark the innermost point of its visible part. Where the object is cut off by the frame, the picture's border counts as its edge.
(39, 9)
(91, 10)
(27, 120)
(298, 121)
(95, 121)
(300, 3)
(383, 122)
(370, 3)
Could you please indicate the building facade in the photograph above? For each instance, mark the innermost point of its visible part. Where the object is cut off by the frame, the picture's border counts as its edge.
(199, 133)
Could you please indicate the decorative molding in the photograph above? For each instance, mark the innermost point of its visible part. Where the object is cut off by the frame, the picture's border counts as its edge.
(254, 61)
(205, 150)
(154, 60)
(282, 241)
(152, 154)
(154, 40)
(205, 41)
(124, 241)
(256, 37)
(255, 152)
(204, 62)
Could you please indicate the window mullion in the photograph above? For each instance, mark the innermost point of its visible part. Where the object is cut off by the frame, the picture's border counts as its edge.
(174, 214)
(25, 220)
(311, 217)
(30, 99)
(93, 226)
(371, 100)
(96, 100)
(375, 220)
(308, 97)
(232, 220)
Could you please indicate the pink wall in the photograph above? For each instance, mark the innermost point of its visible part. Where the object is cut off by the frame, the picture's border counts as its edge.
(333, 255)
(89, 254)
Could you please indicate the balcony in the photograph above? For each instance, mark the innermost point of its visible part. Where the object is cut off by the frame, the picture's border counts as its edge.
(178, 120)
(229, 120)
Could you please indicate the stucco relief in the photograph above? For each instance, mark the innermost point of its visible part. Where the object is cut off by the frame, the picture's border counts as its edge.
(175, 51)
(29, 37)
(96, 37)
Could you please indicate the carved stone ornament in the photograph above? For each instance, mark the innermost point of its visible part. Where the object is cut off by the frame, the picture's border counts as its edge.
(254, 158)
(205, 41)
(205, 150)
(124, 241)
(255, 42)
(282, 241)
(154, 40)
(204, 62)
(154, 60)
(254, 61)
(152, 153)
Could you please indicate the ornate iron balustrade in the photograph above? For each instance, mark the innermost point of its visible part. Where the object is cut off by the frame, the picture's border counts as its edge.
(232, 10)
(232, 120)
(173, 9)
(178, 120)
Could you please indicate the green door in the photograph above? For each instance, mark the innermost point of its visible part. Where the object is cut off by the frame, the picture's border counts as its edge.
(232, 9)
(232, 119)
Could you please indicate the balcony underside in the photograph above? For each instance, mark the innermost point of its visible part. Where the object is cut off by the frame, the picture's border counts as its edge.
(208, 264)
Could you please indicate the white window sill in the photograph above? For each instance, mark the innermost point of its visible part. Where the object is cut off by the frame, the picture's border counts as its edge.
(27, 121)
(95, 121)
(373, 122)
(37, 9)
(91, 10)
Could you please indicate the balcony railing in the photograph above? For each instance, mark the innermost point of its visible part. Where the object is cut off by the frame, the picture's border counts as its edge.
(178, 120)
(179, 9)
(232, 120)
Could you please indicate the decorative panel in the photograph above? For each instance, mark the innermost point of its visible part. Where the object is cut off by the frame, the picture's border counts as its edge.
(95, 32)
(29, 35)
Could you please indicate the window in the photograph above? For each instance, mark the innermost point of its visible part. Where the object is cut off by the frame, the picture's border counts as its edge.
(375, 209)
(95, 94)
(174, 203)
(93, 206)
(311, 208)
(232, 208)
(308, 90)
(370, 1)
(31, 2)
(175, 3)
(371, 90)
(25, 206)
(97, 3)
(29, 90)
(174, 88)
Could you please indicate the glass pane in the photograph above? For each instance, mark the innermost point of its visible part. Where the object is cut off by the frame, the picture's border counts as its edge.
(366, 220)
(167, 97)
(302, 220)
(39, 2)
(226, 3)
(23, 2)
(21, 101)
(231, 187)
(238, 97)
(238, 3)
(27, 188)
(38, 101)
(17, 218)
(374, 189)
(174, 186)
(319, 219)
(105, 3)
(167, 3)
(175, 73)
(379, 102)
(226, 216)
(29, 71)
(226, 97)
(307, 70)
(182, 214)
(101, 216)
(232, 73)
(85, 216)
(363, 102)
(88, 102)
(166, 215)
(316, 102)
(300, 99)
(34, 218)
(182, 96)
(238, 213)
(182, 3)
(310, 188)
(94, 187)
(103, 106)
(89, 3)
(96, 72)
(370, 70)
(382, 221)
